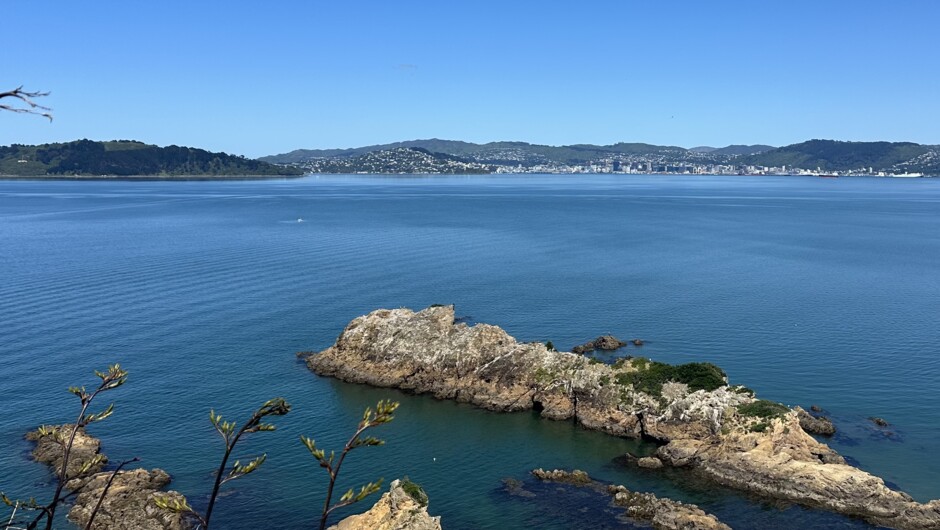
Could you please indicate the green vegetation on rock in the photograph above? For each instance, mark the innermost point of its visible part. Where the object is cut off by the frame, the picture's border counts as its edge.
(763, 409)
(414, 491)
(650, 376)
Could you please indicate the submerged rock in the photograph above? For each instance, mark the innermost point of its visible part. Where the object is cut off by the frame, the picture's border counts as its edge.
(661, 513)
(879, 421)
(815, 424)
(727, 435)
(400, 508)
(664, 514)
(516, 488)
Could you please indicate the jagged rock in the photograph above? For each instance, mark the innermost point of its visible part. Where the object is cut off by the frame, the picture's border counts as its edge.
(427, 352)
(576, 477)
(696, 416)
(815, 424)
(604, 342)
(637, 342)
(879, 421)
(664, 514)
(50, 442)
(608, 342)
(649, 462)
(395, 510)
(129, 503)
(815, 408)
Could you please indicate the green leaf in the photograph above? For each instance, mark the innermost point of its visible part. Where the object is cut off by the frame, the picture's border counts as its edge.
(173, 504)
(91, 418)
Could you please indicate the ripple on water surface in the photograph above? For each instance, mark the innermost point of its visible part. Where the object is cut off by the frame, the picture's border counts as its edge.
(807, 291)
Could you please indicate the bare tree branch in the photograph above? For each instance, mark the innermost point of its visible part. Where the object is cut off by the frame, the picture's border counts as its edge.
(26, 97)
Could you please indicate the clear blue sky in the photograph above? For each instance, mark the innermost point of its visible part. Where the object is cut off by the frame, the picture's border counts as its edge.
(257, 78)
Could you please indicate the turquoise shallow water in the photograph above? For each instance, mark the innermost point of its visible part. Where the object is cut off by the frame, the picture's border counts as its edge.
(807, 290)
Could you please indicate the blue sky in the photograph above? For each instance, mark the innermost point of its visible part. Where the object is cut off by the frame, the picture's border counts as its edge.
(257, 78)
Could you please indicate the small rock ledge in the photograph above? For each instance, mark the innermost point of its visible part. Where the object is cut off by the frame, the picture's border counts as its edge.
(128, 504)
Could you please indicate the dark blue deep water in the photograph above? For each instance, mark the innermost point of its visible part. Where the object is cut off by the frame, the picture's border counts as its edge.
(808, 290)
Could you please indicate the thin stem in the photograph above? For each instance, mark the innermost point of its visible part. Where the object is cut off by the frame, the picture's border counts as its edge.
(334, 472)
(66, 452)
(229, 447)
(13, 515)
(107, 486)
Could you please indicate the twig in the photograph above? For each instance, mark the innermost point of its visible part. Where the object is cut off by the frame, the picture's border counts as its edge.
(26, 97)
(107, 486)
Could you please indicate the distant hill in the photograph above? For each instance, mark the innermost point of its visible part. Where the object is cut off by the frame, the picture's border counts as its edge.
(741, 150)
(128, 158)
(500, 153)
(400, 160)
(831, 155)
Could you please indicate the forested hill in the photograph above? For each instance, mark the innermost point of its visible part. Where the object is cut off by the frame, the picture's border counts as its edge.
(831, 155)
(128, 158)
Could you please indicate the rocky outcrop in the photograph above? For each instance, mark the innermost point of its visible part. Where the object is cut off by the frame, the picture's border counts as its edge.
(723, 432)
(576, 477)
(128, 504)
(85, 458)
(662, 514)
(815, 424)
(604, 342)
(401, 508)
(649, 462)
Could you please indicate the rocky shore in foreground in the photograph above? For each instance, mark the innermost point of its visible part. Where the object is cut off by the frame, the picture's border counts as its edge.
(403, 507)
(128, 504)
(724, 432)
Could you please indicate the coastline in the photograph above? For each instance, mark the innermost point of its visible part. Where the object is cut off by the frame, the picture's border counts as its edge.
(134, 178)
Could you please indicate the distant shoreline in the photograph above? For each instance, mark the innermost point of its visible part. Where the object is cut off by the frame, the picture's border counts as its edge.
(131, 178)
(149, 177)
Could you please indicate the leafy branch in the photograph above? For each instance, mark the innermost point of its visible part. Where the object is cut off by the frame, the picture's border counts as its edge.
(383, 414)
(227, 430)
(113, 378)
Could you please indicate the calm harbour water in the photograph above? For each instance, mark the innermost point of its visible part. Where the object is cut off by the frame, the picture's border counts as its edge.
(807, 290)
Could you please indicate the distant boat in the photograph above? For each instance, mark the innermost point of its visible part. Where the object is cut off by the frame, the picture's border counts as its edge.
(300, 219)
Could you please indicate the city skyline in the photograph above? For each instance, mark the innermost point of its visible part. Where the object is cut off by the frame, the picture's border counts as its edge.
(256, 82)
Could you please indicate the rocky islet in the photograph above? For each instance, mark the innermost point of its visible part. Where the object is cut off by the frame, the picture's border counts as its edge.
(723, 432)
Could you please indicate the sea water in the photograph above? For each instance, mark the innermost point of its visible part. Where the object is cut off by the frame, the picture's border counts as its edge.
(808, 290)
